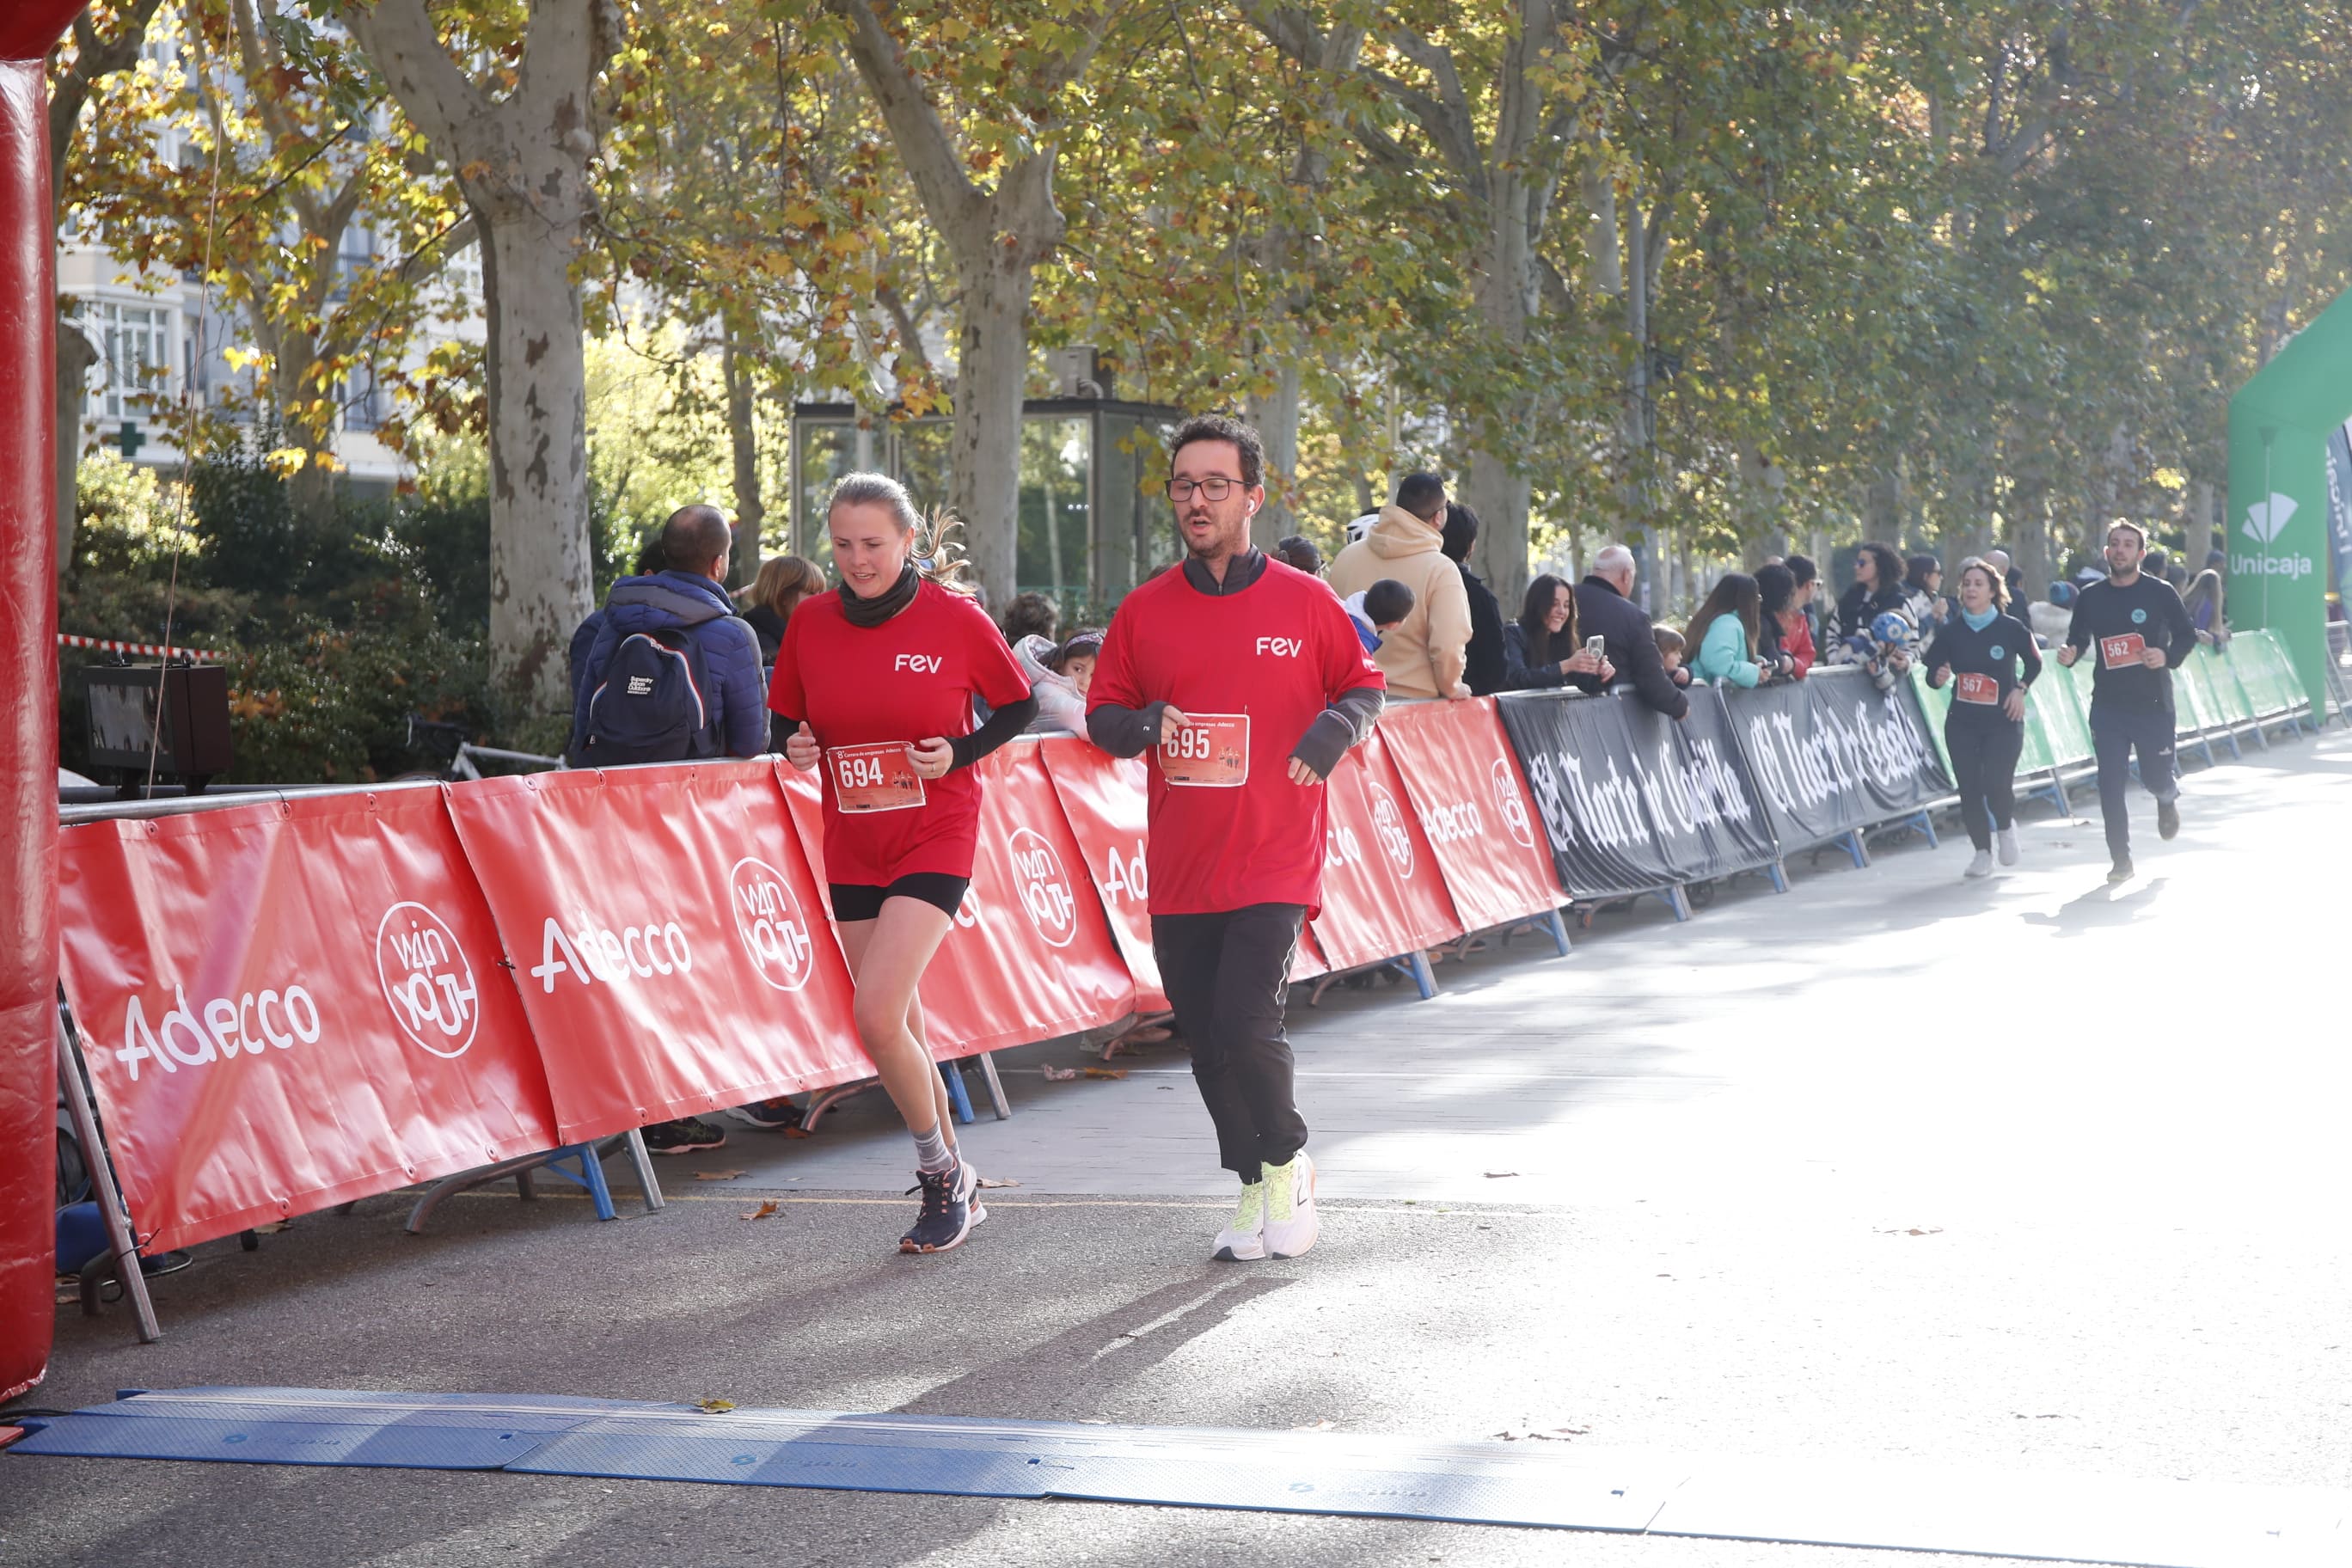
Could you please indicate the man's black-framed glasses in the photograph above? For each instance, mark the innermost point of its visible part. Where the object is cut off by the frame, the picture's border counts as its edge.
(1216, 487)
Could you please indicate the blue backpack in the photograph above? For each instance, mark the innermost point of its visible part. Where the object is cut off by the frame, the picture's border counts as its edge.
(650, 707)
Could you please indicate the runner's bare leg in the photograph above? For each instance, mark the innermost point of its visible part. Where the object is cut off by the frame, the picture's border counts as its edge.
(901, 942)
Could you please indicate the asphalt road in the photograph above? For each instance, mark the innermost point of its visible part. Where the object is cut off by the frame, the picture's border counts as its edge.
(2034, 1175)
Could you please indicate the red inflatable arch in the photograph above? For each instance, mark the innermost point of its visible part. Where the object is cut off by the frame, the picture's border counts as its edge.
(28, 708)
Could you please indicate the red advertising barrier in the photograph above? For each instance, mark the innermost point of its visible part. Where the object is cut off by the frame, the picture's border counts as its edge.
(1030, 954)
(1104, 799)
(1382, 892)
(667, 938)
(1473, 805)
(288, 1005)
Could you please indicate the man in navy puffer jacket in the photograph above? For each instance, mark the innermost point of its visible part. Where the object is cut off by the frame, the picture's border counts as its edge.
(695, 543)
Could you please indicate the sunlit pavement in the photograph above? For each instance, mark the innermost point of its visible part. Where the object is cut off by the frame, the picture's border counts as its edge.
(2033, 1174)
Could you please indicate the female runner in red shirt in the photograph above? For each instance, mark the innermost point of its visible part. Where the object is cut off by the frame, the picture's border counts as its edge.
(877, 683)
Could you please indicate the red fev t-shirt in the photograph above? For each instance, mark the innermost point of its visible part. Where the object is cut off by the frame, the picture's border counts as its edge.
(1276, 653)
(909, 679)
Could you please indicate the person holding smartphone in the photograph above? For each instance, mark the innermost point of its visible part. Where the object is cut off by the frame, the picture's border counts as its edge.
(1987, 657)
(1539, 649)
(875, 685)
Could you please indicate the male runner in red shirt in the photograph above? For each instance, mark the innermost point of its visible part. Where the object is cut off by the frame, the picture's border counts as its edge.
(1245, 679)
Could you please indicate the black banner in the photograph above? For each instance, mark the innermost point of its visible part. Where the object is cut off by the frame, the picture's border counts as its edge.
(1633, 801)
(1832, 753)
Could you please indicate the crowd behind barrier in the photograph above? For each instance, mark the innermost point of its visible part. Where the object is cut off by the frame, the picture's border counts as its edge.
(289, 1003)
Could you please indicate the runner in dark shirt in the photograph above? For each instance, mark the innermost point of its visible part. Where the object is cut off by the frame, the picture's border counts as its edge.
(2139, 635)
(1978, 652)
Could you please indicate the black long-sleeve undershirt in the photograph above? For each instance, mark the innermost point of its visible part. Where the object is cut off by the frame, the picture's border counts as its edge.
(1132, 732)
(1000, 727)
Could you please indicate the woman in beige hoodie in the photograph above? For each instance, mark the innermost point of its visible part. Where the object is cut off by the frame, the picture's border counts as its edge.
(1424, 655)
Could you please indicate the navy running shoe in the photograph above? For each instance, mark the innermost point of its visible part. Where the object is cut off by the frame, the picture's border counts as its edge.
(951, 1207)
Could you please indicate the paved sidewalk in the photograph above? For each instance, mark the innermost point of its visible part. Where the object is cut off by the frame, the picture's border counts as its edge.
(2034, 1174)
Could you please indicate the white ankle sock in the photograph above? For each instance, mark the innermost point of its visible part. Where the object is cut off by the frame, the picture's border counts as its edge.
(931, 1152)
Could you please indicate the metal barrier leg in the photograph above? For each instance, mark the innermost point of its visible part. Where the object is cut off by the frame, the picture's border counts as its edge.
(643, 1163)
(1414, 966)
(101, 1185)
(1927, 822)
(956, 1098)
(826, 1100)
(996, 1086)
(1854, 846)
(1779, 875)
(1676, 899)
(1559, 928)
(591, 1176)
(2058, 788)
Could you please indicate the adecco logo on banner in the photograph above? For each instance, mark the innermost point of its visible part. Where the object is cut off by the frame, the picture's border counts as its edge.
(1044, 887)
(770, 919)
(427, 982)
(596, 952)
(2266, 521)
(1388, 826)
(229, 1028)
(1511, 804)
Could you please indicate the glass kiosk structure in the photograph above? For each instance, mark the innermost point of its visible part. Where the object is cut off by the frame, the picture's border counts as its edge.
(1093, 520)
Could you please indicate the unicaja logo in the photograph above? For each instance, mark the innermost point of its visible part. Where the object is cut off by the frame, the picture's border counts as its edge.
(427, 982)
(2267, 520)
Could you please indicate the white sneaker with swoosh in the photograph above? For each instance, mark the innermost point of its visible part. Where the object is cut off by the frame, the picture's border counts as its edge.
(1291, 1225)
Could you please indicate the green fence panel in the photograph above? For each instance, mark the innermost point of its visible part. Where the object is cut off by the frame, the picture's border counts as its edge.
(1934, 704)
(2224, 699)
(2193, 705)
(2059, 713)
(2277, 666)
(2244, 657)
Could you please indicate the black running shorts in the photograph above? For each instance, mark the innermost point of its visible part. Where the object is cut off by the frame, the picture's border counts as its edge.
(857, 901)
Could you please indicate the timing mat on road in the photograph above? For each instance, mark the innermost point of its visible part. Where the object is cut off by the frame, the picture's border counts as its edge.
(2161, 1524)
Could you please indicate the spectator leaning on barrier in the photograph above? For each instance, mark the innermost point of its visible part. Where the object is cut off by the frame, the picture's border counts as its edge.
(1541, 649)
(2207, 603)
(1669, 653)
(669, 676)
(1378, 610)
(1606, 609)
(1483, 665)
(1299, 554)
(1058, 679)
(1783, 645)
(2050, 618)
(1805, 638)
(783, 581)
(1724, 633)
(1424, 657)
(1877, 587)
(690, 668)
(1923, 591)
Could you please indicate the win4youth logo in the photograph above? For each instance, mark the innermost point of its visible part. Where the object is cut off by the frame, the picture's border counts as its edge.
(2267, 520)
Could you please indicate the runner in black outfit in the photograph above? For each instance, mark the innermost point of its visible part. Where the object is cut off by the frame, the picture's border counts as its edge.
(2143, 635)
(1979, 650)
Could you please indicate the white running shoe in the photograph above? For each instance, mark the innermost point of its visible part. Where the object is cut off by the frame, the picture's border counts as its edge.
(2005, 841)
(1244, 1241)
(1981, 866)
(1291, 1227)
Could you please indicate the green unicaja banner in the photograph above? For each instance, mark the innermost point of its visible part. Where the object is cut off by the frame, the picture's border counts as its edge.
(2280, 425)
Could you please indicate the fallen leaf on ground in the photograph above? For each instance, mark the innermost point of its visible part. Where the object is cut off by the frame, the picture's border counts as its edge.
(716, 1405)
(998, 1182)
(719, 1176)
(765, 1210)
(1106, 1072)
(798, 1132)
(1059, 1075)
(1314, 1427)
(1547, 1435)
(1913, 1230)
(271, 1227)
(1498, 1175)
